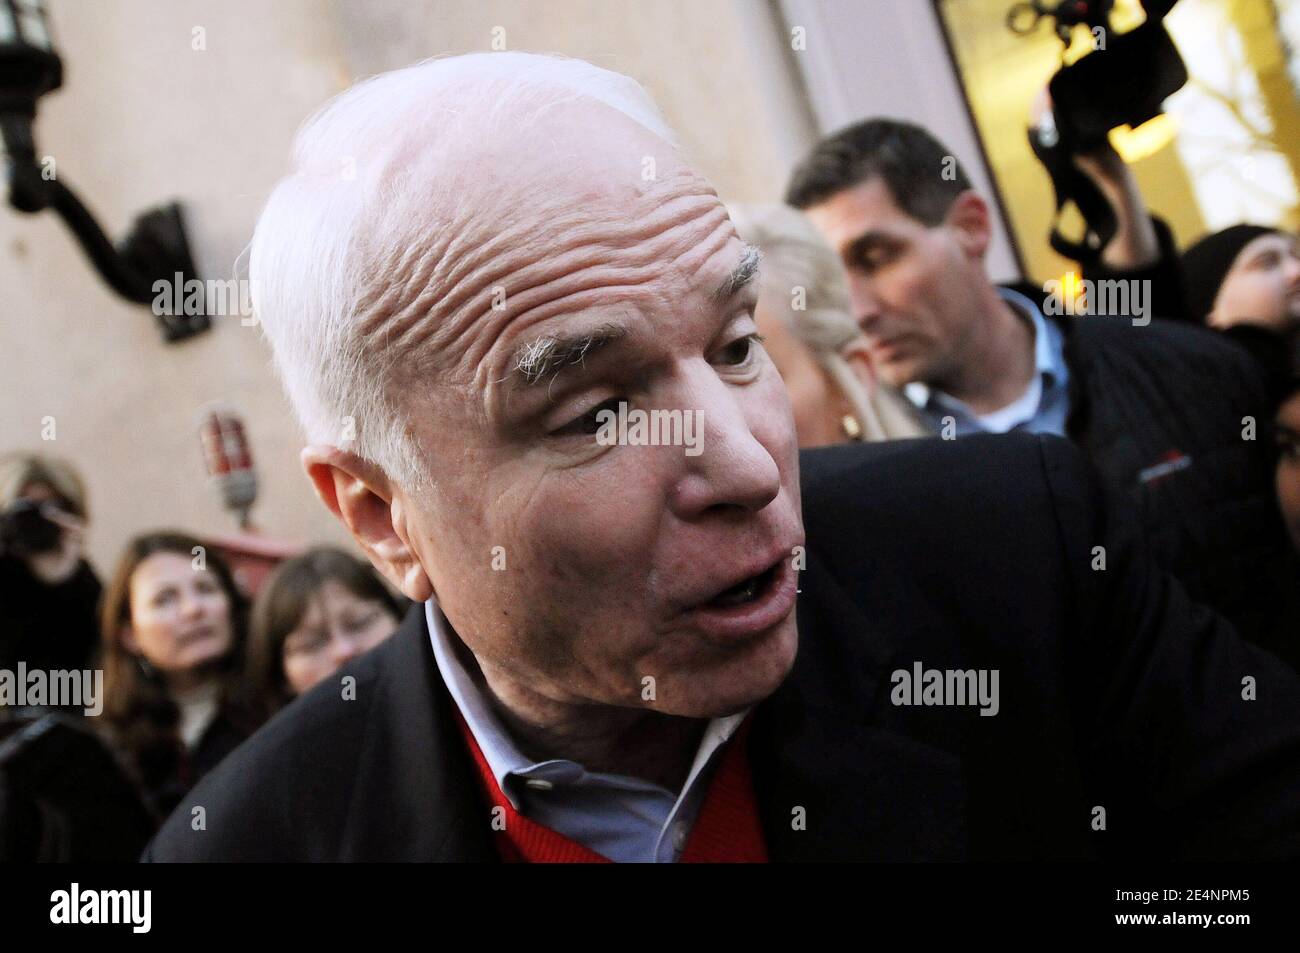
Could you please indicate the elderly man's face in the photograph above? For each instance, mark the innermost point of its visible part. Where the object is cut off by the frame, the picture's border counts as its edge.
(631, 574)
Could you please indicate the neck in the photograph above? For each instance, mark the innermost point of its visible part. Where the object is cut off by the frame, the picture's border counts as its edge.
(602, 738)
(188, 682)
(997, 362)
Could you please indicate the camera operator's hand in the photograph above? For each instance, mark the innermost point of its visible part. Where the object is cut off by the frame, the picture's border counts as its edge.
(59, 565)
(1135, 244)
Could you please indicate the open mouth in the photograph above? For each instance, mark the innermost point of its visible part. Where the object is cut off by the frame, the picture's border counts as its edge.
(745, 591)
(750, 607)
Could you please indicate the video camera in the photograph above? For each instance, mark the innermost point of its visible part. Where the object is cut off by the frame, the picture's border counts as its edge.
(1123, 81)
(25, 530)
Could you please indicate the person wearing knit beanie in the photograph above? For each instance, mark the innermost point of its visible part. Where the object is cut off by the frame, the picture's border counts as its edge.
(1244, 274)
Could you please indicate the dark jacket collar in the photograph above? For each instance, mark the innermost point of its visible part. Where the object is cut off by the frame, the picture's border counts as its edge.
(414, 796)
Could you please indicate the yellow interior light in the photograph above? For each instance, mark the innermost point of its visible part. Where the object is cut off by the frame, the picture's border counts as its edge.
(1147, 139)
(1072, 293)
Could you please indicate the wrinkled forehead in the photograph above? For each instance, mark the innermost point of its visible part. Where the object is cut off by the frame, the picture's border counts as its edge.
(558, 210)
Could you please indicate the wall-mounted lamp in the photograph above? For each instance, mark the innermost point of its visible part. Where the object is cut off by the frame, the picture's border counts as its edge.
(155, 248)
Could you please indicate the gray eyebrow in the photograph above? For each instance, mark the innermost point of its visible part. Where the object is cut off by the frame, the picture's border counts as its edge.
(741, 275)
(535, 360)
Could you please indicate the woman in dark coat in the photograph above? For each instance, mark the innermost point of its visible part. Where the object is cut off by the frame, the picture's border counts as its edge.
(174, 627)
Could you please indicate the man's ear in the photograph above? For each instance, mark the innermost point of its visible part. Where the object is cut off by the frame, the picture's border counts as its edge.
(368, 505)
(969, 218)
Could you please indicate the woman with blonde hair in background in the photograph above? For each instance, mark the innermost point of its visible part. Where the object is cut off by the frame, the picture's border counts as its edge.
(49, 593)
(808, 331)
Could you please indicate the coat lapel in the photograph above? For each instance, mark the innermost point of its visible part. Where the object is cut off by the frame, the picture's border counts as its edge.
(415, 797)
(837, 775)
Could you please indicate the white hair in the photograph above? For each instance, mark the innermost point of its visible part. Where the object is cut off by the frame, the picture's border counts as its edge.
(332, 228)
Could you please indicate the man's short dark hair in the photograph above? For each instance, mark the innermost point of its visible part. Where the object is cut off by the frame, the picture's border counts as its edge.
(922, 175)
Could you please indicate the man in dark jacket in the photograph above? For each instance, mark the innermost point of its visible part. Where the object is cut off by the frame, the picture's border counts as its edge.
(1174, 417)
(585, 467)
(1129, 724)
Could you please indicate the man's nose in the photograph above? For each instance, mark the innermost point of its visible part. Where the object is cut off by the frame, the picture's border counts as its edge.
(733, 468)
(864, 302)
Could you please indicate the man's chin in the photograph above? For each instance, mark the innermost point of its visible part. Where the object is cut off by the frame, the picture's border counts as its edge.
(737, 683)
(899, 373)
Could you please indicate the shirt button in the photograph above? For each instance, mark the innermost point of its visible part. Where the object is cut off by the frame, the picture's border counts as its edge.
(679, 838)
(539, 784)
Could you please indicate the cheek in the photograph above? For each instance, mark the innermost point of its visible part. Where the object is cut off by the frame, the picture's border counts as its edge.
(554, 556)
(221, 617)
(597, 529)
(302, 673)
(1288, 489)
(154, 634)
(1250, 295)
(912, 288)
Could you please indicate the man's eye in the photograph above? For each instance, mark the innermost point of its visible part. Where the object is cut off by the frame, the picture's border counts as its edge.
(1289, 449)
(588, 425)
(740, 351)
(874, 258)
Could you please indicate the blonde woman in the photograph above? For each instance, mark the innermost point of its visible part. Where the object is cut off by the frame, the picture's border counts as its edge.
(803, 315)
(48, 590)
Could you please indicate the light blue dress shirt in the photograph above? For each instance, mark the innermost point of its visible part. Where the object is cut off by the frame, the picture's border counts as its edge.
(1044, 407)
(619, 817)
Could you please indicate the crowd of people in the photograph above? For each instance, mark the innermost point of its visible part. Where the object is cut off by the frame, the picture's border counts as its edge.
(875, 306)
(1184, 412)
(902, 334)
(191, 665)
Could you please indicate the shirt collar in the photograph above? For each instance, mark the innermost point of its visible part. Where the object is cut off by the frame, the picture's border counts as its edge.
(1048, 353)
(504, 757)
